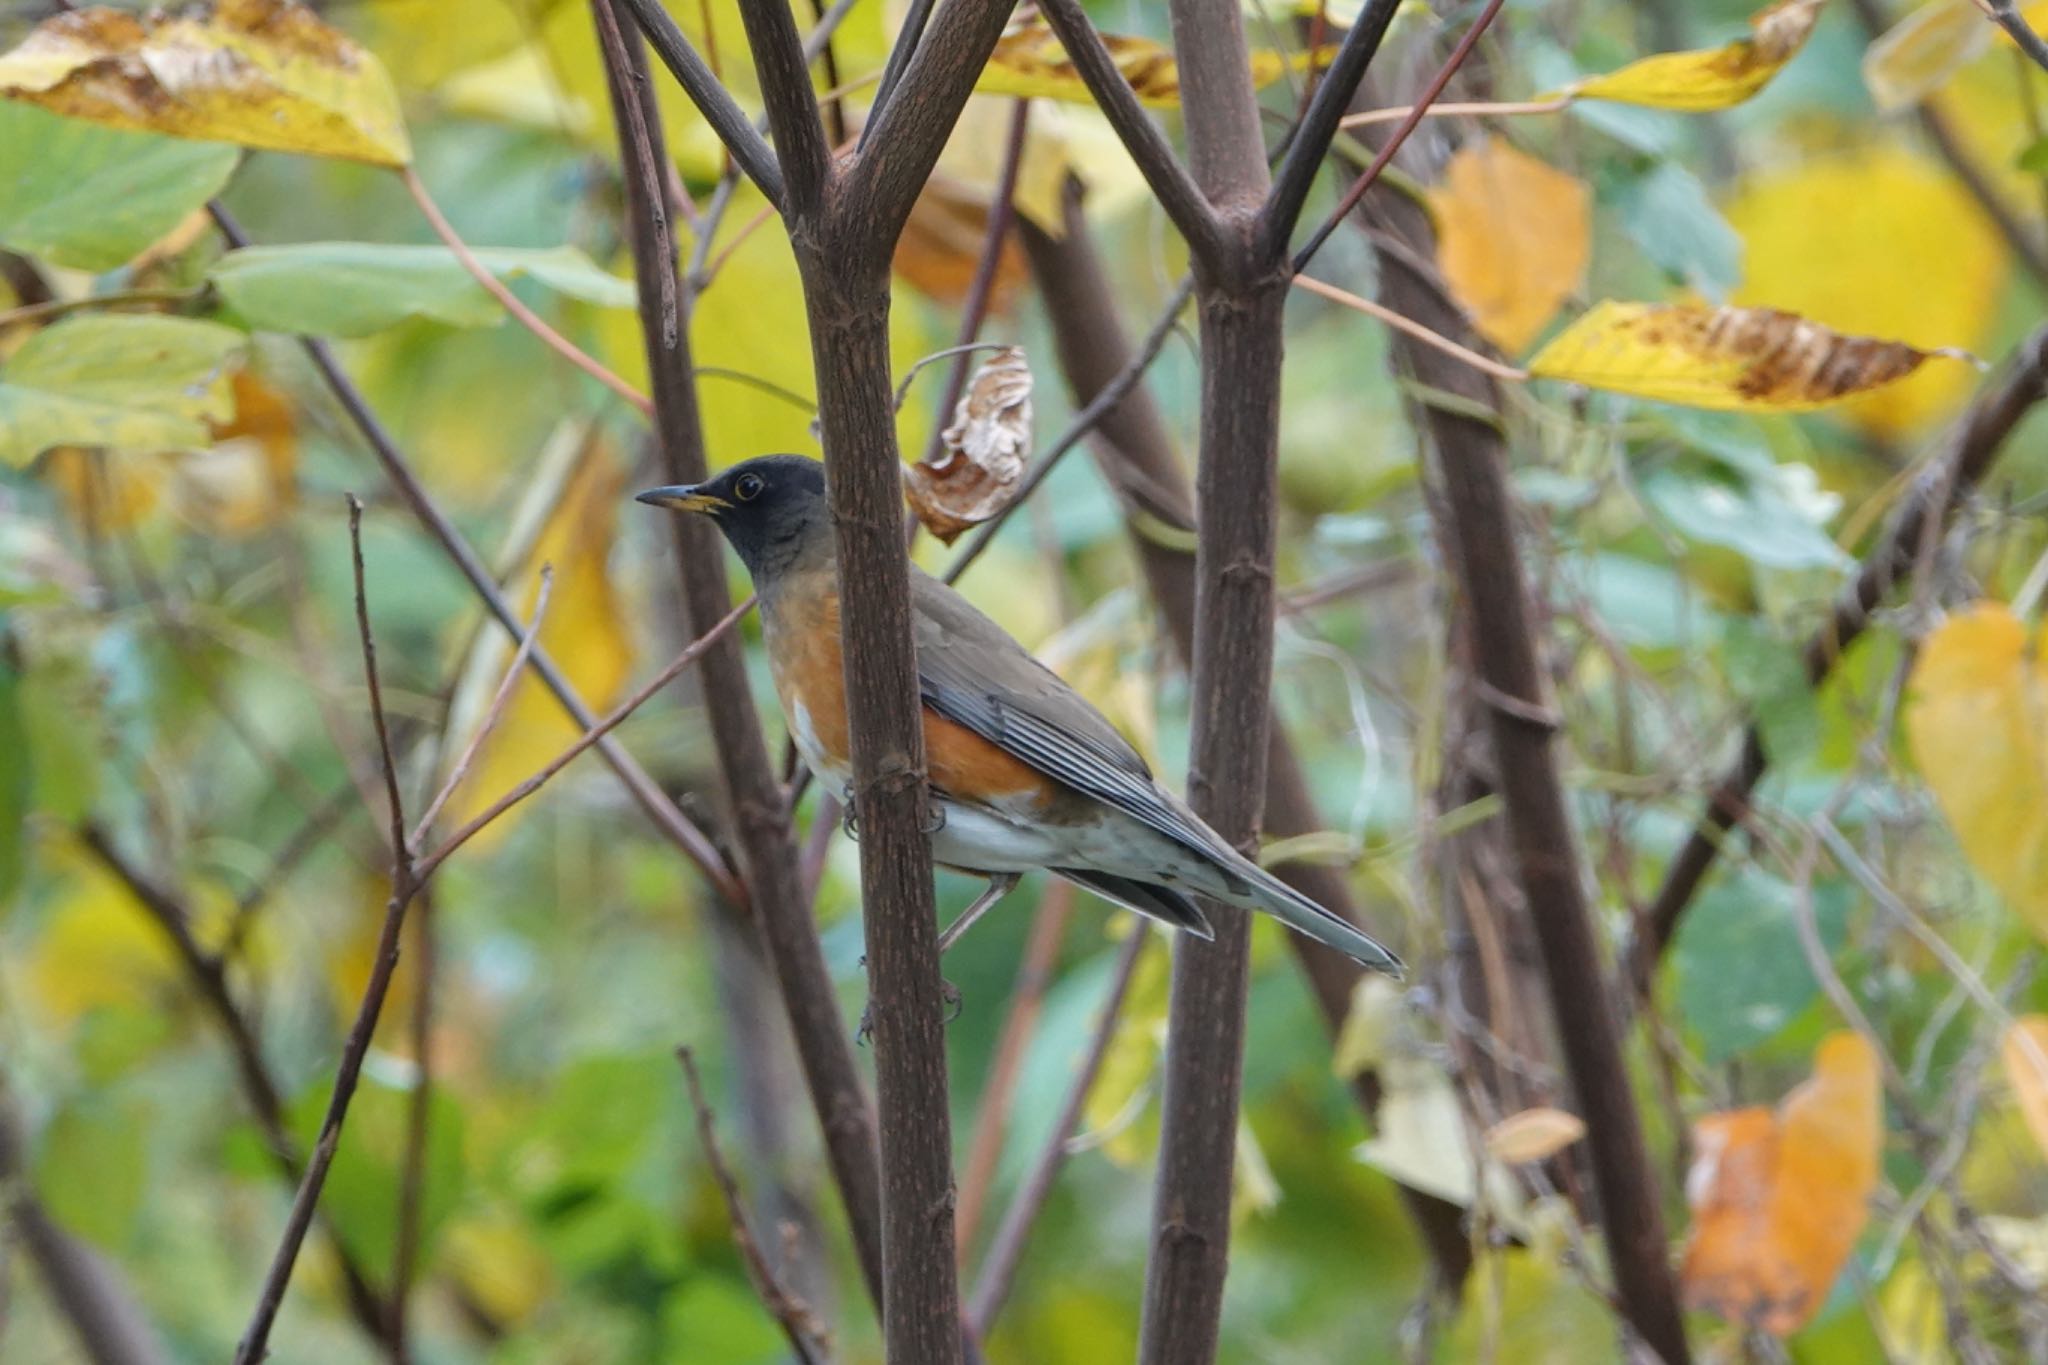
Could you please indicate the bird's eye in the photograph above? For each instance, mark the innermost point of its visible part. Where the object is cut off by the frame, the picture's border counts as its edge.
(747, 487)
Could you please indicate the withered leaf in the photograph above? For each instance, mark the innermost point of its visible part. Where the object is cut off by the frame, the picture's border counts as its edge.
(262, 73)
(982, 454)
(1740, 359)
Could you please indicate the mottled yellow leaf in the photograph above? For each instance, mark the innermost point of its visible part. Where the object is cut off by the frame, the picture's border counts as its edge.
(1711, 78)
(1779, 1199)
(585, 631)
(1740, 359)
(136, 381)
(1977, 722)
(263, 73)
(1816, 237)
(1028, 60)
(1533, 1135)
(2024, 1054)
(1514, 237)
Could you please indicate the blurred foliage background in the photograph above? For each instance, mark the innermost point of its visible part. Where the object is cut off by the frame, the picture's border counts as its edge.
(179, 680)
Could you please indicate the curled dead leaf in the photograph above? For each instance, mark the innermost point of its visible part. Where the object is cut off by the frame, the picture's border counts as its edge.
(982, 453)
(1779, 1199)
(262, 73)
(1740, 359)
(1533, 1135)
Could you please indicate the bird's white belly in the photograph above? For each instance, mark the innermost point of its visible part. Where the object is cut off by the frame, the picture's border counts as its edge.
(834, 777)
(980, 839)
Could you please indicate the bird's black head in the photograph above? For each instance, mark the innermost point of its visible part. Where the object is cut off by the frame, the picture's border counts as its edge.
(771, 509)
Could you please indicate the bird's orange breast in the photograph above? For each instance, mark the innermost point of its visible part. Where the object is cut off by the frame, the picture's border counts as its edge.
(804, 656)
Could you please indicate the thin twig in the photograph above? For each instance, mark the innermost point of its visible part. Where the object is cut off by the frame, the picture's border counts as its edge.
(1453, 108)
(494, 713)
(807, 1336)
(2007, 16)
(524, 316)
(51, 308)
(1006, 1249)
(749, 149)
(1484, 364)
(1309, 142)
(1408, 125)
(419, 1108)
(255, 1343)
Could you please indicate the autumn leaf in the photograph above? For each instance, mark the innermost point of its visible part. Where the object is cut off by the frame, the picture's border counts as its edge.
(1918, 54)
(1740, 359)
(135, 381)
(1779, 1199)
(245, 480)
(1711, 78)
(262, 73)
(1975, 716)
(1028, 60)
(982, 454)
(941, 245)
(1533, 1135)
(1913, 225)
(1514, 238)
(2024, 1055)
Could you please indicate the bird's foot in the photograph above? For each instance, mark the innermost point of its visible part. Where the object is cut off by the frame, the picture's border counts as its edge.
(849, 817)
(865, 1029)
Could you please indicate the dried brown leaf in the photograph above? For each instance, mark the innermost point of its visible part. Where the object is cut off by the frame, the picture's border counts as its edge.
(983, 452)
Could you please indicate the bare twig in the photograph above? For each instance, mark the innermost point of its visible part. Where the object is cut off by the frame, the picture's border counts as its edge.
(255, 1343)
(1484, 364)
(749, 149)
(1367, 118)
(419, 1106)
(497, 289)
(1310, 141)
(1006, 1249)
(1027, 999)
(2007, 16)
(807, 1336)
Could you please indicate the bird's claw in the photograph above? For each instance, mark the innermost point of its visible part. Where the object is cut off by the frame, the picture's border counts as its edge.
(865, 1029)
(849, 817)
(935, 818)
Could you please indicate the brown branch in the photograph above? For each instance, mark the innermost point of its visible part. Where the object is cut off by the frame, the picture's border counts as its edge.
(1027, 1000)
(255, 1343)
(669, 820)
(766, 842)
(749, 149)
(85, 1288)
(1470, 459)
(1973, 447)
(2007, 16)
(1185, 204)
(1310, 141)
(806, 1335)
(1006, 1249)
(791, 106)
(259, 1087)
(412, 1177)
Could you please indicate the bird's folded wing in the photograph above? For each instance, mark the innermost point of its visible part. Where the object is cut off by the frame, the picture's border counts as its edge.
(971, 672)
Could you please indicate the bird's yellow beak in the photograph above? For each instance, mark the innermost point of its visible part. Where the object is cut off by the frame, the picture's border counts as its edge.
(682, 497)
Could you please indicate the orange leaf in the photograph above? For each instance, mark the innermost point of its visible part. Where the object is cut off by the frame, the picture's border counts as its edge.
(1779, 1199)
(1515, 236)
(2024, 1054)
(984, 450)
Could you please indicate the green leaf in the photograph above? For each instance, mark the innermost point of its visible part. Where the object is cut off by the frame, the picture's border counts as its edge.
(1766, 521)
(1770, 675)
(362, 1185)
(91, 1167)
(2034, 160)
(1671, 217)
(714, 1318)
(353, 289)
(1739, 969)
(88, 197)
(137, 381)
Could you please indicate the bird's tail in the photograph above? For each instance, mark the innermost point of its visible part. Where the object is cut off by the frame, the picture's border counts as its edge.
(1266, 892)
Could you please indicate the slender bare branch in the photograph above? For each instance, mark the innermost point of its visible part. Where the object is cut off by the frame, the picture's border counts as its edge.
(749, 149)
(1185, 204)
(806, 1335)
(1006, 1249)
(645, 791)
(908, 36)
(255, 1343)
(1318, 125)
(2008, 17)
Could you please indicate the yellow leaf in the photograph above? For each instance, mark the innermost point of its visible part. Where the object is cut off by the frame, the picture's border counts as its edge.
(97, 946)
(1739, 359)
(1028, 60)
(1533, 1135)
(2024, 1054)
(494, 1255)
(263, 73)
(585, 632)
(1779, 1199)
(1911, 225)
(981, 454)
(106, 490)
(1514, 238)
(1975, 717)
(1711, 78)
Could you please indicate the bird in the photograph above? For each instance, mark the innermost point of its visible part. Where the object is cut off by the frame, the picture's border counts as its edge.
(1025, 774)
